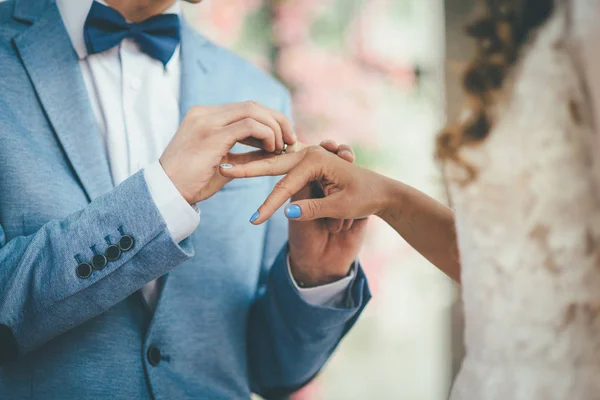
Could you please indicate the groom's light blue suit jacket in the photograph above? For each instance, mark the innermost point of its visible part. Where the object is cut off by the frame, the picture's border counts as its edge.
(228, 321)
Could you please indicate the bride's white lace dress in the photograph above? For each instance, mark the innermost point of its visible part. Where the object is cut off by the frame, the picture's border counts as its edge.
(529, 229)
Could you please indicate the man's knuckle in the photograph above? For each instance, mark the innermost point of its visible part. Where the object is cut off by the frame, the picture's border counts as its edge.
(190, 116)
(250, 107)
(287, 122)
(196, 111)
(249, 124)
(315, 152)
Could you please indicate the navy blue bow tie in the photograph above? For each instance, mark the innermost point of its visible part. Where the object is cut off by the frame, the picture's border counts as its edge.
(105, 28)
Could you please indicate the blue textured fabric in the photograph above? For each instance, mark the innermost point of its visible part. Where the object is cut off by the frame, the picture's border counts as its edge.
(105, 28)
(228, 320)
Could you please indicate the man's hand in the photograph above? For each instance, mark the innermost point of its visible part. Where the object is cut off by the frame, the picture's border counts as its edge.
(323, 250)
(206, 136)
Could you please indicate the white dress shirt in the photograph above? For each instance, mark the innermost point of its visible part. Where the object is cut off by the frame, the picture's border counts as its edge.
(135, 100)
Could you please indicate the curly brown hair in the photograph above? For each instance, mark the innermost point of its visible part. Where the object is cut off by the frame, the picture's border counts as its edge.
(500, 31)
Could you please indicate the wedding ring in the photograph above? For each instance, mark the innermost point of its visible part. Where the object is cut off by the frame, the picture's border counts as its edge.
(285, 146)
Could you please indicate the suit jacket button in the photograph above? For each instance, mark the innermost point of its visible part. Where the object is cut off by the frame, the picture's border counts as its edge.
(84, 270)
(126, 243)
(113, 252)
(9, 350)
(99, 261)
(153, 356)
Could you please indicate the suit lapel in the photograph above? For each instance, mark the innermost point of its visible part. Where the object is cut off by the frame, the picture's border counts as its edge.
(52, 65)
(197, 56)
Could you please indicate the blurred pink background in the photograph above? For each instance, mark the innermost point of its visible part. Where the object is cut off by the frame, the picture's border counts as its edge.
(368, 73)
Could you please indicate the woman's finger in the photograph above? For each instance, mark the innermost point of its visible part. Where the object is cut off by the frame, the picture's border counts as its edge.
(291, 184)
(311, 209)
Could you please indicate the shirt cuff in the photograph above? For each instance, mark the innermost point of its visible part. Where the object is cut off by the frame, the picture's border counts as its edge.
(330, 295)
(181, 218)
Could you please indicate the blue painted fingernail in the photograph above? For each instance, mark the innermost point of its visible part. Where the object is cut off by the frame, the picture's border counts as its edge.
(293, 211)
(226, 166)
(254, 217)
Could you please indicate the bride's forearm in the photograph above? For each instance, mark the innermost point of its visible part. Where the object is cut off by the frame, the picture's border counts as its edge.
(426, 224)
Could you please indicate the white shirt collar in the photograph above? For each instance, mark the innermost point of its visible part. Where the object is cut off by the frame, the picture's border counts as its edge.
(74, 14)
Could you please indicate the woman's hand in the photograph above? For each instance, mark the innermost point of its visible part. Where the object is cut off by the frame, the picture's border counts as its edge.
(322, 248)
(350, 192)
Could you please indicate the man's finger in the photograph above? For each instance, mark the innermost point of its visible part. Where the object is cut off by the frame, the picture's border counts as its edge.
(231, 113)
(334, 225)
(296, 147)
(347, 224)
(256, 143)
(244, 158)
(249, 128)
(329, 145)
(267, 166)
(287, 129)
(345, 152)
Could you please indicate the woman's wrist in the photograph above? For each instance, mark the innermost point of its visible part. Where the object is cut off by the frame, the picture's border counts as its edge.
(391, 199)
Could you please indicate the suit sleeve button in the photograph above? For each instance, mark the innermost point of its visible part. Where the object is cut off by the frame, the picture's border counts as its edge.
(126, 243)
(84, 270)
(113, 252)
(99, 261)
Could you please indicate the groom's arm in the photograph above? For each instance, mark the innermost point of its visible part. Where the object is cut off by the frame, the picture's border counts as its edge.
(292, 331)
(50, 282)
(290, 338)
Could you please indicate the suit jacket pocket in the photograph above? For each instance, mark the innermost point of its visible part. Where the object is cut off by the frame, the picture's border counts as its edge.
(32, 222)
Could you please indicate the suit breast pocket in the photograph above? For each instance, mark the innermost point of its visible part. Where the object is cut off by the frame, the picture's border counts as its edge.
(35, 220)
